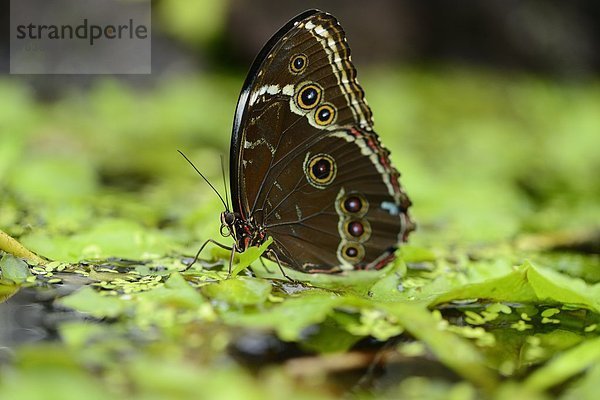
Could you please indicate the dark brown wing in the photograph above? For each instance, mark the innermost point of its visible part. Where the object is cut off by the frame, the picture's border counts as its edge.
(352, 216)
(302, 100)
(320, 38)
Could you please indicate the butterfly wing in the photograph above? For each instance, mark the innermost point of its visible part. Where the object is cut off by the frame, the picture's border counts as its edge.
(305, 163)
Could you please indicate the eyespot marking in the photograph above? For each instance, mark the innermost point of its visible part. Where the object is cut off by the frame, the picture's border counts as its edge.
(325, 114)
(308, 96)
(351, 252)
(354, 204)
(298, 64)
(359, 230)
(320, 169)
(355, 228)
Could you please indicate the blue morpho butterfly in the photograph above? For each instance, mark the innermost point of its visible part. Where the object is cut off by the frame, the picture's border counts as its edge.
(306, 167)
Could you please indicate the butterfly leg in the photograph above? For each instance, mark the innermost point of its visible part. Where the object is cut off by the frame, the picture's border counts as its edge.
(265, 266)
(202, 248)
(230, 262)
(279, 265)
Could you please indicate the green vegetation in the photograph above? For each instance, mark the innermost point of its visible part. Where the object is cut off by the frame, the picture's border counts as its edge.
(497, 294)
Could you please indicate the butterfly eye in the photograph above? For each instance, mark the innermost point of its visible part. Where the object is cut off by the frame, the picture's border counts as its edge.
(298, 63)
(352, 252)
(325, 114)
(320, 170)
(309, 96)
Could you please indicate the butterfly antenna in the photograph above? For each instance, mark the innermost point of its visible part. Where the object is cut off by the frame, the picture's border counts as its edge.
(224, 180)
(206, 180)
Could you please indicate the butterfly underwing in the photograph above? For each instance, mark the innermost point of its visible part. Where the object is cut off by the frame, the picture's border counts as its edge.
(306, 167)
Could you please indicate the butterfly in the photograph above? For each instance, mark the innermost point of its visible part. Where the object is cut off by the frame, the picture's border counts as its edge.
(306, 167)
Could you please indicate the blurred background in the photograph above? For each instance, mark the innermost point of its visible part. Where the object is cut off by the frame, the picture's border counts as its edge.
(491, 111)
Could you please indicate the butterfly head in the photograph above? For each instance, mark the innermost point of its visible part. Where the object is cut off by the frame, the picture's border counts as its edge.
(227, 223)
(245, 232)
(233, 225)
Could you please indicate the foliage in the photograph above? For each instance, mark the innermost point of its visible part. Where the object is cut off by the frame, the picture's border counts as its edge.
(496, 296)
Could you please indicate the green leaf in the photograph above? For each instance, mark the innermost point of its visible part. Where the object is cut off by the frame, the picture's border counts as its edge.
(249, 256)
(552, 286)
(239, 291)
(88, 300)
(7, 289)
(389, 286)
(108, 238)
(452, 350)
(528, 283)
(176, 292)
(14, 269)
(565, 365)
(357, 282)
(329, 337)
(77, 334)
(57, 374)
(292, 316)
(586, 388)
(416, 254)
